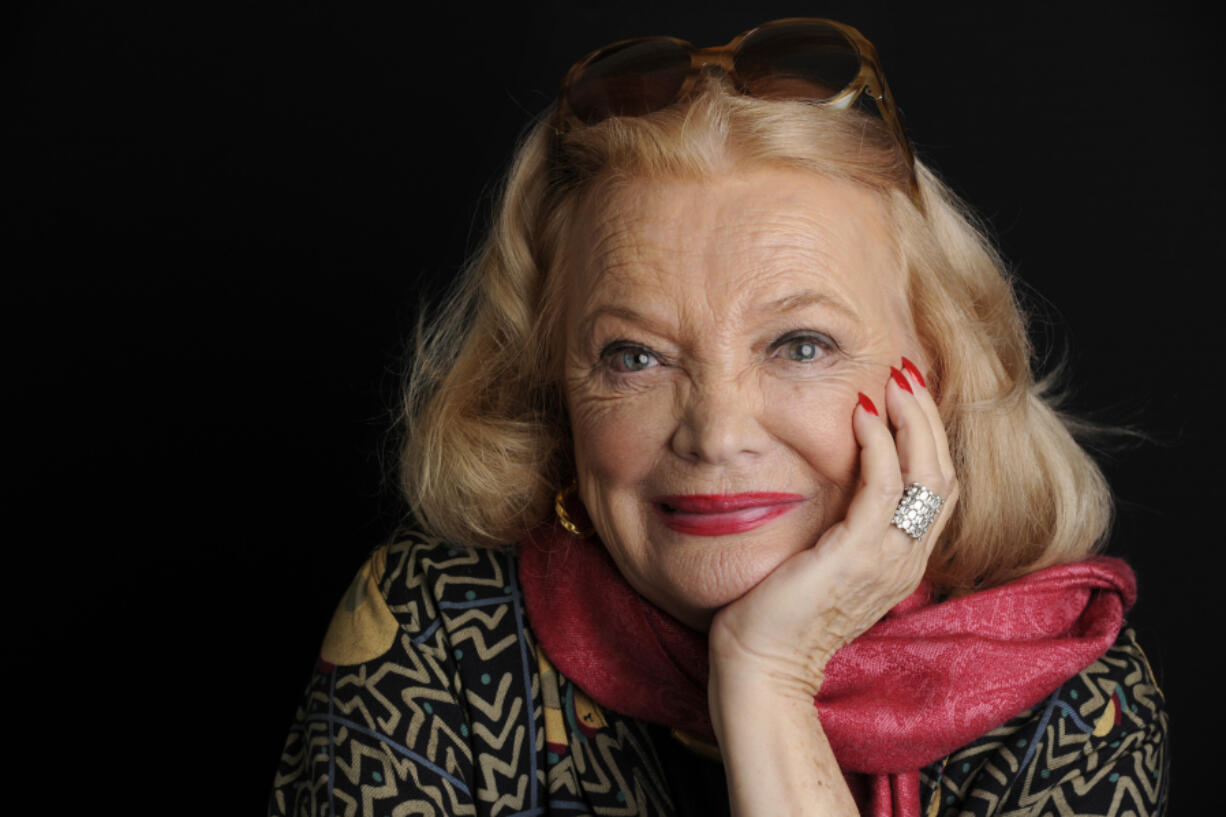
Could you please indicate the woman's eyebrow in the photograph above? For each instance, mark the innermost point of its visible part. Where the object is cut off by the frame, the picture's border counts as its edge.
(788, 303)
(809, 297)
(588, 324)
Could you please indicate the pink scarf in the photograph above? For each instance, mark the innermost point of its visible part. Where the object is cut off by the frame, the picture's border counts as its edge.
(924, 681)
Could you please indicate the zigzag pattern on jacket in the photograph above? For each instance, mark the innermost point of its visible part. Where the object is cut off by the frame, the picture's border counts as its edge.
(1097, 745)
(431, 698)
(440, 722)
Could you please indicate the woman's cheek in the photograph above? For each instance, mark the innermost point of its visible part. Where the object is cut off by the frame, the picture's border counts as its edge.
(812, 417)
(619, 436)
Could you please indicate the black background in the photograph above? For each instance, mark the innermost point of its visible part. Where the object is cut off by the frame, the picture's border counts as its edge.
(222, 218)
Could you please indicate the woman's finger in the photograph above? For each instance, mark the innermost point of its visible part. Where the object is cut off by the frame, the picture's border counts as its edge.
(880, 475)
(928, 403)
(914, 435)
(921, 443)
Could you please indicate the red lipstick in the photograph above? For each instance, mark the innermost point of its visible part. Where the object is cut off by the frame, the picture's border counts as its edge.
(722, 514)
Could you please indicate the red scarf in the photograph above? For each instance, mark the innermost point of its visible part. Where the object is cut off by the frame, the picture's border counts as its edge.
(924, 681)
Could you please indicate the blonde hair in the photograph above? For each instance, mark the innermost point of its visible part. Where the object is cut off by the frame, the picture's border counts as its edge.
(488, 440)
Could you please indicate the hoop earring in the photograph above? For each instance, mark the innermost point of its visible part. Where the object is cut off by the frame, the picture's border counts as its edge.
(559, 508)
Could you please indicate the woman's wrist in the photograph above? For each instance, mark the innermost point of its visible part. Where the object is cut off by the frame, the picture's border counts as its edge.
(774, 749)
(740, 671)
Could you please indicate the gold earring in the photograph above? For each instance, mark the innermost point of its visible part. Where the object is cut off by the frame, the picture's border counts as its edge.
(559, 508)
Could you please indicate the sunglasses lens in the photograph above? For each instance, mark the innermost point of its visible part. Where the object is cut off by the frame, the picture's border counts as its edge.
(797, 61)
(630, 80)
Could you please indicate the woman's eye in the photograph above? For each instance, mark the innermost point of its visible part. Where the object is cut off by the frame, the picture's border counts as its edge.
(631, 359)
(802, 350)
(805, 349)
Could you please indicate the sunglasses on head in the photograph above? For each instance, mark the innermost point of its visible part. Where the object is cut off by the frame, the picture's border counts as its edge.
(807, 59)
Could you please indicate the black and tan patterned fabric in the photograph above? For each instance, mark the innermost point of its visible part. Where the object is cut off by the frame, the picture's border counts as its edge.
(430, 697)
(1097, 745)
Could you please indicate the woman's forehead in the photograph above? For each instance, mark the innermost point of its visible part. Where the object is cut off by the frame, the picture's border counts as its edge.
(763, 235)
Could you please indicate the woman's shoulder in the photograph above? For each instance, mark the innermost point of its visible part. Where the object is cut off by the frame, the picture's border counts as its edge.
(409, 588)
(423, 671)
(1099, 742)
(424, 569)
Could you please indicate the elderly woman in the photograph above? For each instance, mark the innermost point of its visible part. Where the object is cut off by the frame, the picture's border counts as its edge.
(737, 491)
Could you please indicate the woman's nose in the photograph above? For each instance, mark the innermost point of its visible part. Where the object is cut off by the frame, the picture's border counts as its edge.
(719, 422)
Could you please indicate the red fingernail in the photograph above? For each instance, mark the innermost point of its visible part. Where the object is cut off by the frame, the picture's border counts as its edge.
(867, 405)
(915, 372)
(900, 380)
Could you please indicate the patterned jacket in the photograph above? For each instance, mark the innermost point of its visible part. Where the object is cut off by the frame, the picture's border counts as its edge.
(431, 697)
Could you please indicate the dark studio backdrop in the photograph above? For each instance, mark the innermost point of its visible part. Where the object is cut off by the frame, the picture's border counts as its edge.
(221, 220)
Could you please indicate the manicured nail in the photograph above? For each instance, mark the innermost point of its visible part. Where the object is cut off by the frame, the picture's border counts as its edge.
(900, 380)
(867, 405)
(914, 371)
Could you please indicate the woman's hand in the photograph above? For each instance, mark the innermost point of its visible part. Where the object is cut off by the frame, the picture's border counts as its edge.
(769, 649)
(789, 626)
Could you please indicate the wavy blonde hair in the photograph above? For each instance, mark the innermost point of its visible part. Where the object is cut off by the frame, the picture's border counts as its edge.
(488, 440)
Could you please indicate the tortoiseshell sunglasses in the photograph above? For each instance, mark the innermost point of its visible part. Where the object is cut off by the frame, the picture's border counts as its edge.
(799, 58)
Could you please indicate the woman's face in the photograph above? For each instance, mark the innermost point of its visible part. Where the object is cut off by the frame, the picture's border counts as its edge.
(717, 334)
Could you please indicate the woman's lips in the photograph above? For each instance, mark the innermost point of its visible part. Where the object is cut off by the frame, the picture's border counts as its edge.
(722, 514)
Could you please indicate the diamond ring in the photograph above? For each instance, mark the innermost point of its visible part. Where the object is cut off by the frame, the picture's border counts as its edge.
(916, 510)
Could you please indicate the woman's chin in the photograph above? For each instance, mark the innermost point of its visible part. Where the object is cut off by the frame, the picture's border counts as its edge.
(700, 585)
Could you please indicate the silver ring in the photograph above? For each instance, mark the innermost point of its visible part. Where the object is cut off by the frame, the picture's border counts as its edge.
(916, 510)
